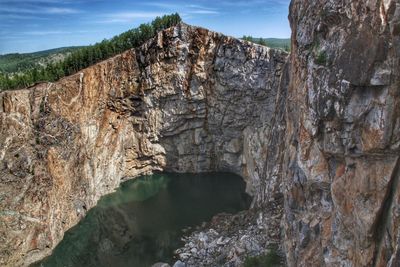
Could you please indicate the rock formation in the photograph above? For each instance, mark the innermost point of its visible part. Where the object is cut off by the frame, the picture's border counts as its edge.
(319, 135)
(343, 134)
(189, 100)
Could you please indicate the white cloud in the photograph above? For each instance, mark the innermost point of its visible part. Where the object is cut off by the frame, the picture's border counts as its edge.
(19, 35)
(162, 5)
(39, 10)
(171, 6)
(129, 16)
(203, 11)
(242, 3)
(60, 10)
(20, 17)
(255, 3)
(55, 32)
(184, 10)
(29, 1)
(34, 2)
(39, 33)
(198, 6)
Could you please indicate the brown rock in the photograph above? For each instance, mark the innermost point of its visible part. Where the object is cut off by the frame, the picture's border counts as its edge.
(181, 102)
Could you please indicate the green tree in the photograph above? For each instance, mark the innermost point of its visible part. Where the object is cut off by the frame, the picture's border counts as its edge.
(262, 42)
(84, 57)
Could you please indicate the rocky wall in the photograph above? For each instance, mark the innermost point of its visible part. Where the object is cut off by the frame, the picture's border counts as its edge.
(343, 132)
(189, 100)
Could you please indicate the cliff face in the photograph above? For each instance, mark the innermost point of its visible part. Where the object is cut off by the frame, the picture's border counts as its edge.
(343, 134)
(321, 132)
(188, 101)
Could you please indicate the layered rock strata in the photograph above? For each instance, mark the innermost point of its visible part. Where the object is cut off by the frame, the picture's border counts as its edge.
(189, 100)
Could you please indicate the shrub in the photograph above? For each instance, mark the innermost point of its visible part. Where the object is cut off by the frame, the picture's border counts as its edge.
(321, 58)
(269, 259)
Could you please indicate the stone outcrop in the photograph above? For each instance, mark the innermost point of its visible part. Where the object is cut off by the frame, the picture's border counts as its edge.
(189, 100)
(228, 240)
(343, 131)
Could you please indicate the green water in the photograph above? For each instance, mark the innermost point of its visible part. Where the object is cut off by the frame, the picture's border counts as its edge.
(141, 223)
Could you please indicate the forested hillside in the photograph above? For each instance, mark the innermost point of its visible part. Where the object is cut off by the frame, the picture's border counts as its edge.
(16, 62)
(270, 42)
(89, 55)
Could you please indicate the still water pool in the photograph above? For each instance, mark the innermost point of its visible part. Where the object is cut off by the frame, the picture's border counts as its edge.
(142, 222)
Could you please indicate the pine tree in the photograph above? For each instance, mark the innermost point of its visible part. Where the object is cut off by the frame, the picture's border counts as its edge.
(89, 55)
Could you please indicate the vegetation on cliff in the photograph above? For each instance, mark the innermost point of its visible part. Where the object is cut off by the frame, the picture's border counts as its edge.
(89, 55)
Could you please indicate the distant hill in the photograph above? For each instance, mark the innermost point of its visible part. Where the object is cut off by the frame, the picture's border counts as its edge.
(279, 43)
(24, 70)
(16, 62)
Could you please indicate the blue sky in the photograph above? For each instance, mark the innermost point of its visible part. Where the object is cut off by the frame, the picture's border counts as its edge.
(33, 25)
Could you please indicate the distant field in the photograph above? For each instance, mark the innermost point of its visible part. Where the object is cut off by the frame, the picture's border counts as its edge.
(278, 43)
(283, 44)
(12, 63)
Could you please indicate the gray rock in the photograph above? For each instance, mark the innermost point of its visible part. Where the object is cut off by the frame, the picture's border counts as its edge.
(161, 264)
(179, 264)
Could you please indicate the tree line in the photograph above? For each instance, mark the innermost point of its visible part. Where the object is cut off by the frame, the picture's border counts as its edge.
(15, 62)
(259, 41)
(270, 42)
(88, 55)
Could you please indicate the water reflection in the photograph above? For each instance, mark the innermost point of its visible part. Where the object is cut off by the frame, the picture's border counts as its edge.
(141, 223)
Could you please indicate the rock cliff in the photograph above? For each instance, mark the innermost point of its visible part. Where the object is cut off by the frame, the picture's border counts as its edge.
(316, 137)
(343, 134)
(189, 100)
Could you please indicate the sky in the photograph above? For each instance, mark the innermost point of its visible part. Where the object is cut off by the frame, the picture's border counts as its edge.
(34, 25)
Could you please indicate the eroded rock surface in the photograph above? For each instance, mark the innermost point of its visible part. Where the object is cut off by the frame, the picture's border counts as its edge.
(343, 132)
(189, 100)
(321, 133)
